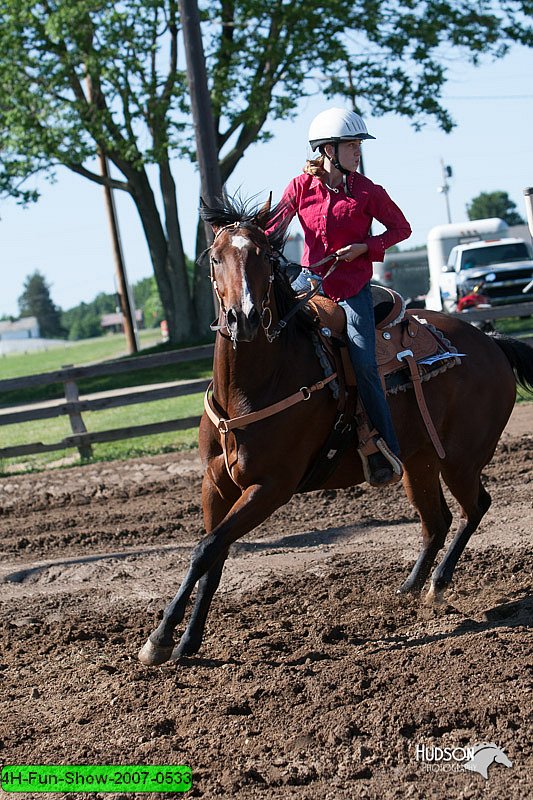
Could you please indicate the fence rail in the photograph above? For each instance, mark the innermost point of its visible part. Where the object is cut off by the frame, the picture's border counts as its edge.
(73, 406)
(495, 312)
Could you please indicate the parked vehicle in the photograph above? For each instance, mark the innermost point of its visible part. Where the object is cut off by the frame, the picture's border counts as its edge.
(405, 271)
(443, 238)
(476, 299)
(503, 267)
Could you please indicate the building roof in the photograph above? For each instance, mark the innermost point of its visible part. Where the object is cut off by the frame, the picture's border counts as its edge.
(107, 320)
(22, 324)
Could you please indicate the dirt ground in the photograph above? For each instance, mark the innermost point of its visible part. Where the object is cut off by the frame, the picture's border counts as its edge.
(315, 679)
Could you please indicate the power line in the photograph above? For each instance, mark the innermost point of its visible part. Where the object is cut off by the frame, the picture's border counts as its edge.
(488, 97)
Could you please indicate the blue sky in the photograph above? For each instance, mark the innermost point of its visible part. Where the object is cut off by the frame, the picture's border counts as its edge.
(65, 235)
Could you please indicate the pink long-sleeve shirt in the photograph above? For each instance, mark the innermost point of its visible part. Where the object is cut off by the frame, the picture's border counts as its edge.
(331, 220)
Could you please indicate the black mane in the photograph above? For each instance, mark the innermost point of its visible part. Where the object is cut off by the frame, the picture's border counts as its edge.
(228, 210)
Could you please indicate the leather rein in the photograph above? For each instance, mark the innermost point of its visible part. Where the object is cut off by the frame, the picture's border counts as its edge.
(266, 311)
(223, 424)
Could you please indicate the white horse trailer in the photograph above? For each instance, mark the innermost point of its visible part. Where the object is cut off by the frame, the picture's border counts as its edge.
(443, 238)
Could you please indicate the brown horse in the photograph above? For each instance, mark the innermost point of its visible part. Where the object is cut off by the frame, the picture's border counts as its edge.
(258, 363)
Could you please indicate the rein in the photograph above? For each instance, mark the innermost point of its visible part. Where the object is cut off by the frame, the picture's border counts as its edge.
(266, 311)
(223, 424)
(303, 300)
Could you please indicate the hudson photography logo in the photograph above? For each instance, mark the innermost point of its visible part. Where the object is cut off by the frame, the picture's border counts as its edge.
(477, 758)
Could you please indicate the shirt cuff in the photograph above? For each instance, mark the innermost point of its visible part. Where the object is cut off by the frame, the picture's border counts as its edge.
(376, 248)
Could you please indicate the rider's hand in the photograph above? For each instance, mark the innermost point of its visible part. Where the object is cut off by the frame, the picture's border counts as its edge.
(351, 251)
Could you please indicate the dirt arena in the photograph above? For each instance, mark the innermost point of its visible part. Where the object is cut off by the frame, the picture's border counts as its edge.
(314, 680)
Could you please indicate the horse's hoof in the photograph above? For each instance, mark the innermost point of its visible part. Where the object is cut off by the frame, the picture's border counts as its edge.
(434, 596)
(152, 656)
(184, 649)
(404, 590)
(407, 589)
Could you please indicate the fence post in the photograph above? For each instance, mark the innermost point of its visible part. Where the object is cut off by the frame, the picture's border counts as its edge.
(76, 421)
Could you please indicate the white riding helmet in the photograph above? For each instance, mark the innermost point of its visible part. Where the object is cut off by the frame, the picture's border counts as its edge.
(336, 125)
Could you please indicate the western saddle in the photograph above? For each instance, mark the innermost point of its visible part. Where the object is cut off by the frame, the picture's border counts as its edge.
(409, 350)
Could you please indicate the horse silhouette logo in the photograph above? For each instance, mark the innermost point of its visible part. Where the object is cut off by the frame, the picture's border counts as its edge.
(483, 755)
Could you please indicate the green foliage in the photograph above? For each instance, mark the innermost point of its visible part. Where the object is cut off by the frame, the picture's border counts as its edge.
(494, 204)
(147, 298)
(81, 75)
(35, 301)
(80, 78)
(84, 321)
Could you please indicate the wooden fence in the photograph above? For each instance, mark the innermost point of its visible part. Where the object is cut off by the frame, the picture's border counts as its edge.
(73, 406)
(496, 312)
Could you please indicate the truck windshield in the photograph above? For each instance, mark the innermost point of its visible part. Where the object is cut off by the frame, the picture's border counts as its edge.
(495, 254)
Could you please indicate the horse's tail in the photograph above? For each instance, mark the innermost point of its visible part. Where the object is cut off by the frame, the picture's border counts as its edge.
(520, 357)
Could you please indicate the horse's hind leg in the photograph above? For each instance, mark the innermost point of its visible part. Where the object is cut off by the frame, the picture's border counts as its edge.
(422, 486)
(475, 502)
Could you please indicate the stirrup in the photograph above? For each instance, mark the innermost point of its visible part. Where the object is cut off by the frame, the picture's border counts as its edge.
(394, 461)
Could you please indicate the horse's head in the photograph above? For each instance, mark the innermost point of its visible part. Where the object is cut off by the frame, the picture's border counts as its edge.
(242, 262)
(242, 274)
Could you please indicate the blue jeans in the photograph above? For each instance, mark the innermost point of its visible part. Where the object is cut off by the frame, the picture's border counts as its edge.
(362, 346)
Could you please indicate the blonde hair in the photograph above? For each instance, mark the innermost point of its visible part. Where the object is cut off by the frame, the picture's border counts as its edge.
(315, 166)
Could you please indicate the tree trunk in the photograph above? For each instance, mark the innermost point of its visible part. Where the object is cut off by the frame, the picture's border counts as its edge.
(204, 307)
(168, 258)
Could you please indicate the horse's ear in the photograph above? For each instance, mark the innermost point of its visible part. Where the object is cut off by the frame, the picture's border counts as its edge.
(204, 214)
(262, 216)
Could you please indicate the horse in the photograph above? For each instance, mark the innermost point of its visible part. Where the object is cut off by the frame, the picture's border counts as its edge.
(264, 355)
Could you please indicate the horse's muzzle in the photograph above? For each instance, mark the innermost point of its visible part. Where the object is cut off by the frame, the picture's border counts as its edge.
(243, 327)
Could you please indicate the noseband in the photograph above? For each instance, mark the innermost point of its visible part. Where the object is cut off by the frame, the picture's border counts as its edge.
(266, 311)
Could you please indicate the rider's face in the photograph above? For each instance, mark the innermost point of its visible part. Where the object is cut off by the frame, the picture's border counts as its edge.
(350, 154)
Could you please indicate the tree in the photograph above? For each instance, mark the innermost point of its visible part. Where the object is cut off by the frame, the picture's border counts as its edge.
(147, 298)
(84, 320)
(80, 77)
(35, 301)
(494, 204)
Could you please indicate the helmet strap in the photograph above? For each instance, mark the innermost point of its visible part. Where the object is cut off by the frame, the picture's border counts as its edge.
(335, 159)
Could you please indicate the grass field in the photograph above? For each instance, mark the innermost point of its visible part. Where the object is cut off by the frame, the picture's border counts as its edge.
(88, 352)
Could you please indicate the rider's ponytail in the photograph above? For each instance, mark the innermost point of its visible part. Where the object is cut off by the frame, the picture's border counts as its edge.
(315, 166)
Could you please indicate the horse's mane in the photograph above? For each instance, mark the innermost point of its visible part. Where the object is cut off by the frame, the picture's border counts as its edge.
(228, 210)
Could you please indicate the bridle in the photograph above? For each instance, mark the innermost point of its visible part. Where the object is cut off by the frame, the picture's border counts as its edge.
(274, 259)
(266, 311)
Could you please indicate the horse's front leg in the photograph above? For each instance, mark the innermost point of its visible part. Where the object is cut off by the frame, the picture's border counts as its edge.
(255, 505)
(217, 489)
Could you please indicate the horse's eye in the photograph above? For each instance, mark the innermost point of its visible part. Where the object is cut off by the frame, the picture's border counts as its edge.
(215, 261)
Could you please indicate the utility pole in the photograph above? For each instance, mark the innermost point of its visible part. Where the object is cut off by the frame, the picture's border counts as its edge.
(124, 290)
(204, 126)
(445, 188)
(352, 95)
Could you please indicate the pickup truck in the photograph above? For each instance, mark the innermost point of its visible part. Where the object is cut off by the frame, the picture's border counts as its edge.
(503, 268)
